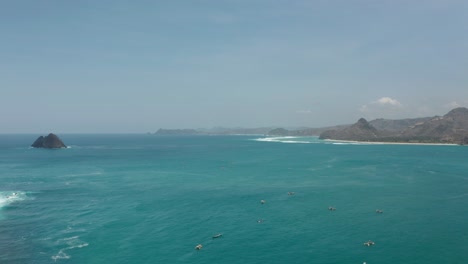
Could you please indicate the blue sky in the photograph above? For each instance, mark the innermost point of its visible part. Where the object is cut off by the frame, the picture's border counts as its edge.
(136, 66)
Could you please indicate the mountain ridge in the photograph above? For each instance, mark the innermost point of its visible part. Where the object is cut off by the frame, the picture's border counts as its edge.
(451, 128)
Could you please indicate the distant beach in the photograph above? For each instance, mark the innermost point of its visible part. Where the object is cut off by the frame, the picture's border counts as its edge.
(389, 143)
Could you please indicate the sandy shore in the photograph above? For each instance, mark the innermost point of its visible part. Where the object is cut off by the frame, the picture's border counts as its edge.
(389, 143)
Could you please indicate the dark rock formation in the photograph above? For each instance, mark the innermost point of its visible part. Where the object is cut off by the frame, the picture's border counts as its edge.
(49, 141)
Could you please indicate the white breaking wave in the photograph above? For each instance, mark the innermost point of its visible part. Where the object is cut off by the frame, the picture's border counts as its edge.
(71, 242)
(9, 197)
(83, 174)
(287, 139)
(351, 143)
(70, 238)
(60, 255)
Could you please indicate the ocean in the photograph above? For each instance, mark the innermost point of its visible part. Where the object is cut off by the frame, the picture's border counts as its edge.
(152, 199)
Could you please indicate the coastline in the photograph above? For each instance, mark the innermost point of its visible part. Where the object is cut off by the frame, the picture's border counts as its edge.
(388, 143)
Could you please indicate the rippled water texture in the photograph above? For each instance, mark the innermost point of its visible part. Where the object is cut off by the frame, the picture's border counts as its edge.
(152, 199)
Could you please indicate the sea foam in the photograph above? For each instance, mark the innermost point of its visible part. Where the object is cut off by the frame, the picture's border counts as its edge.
(9, 197)
(287, 139)
(70, 243)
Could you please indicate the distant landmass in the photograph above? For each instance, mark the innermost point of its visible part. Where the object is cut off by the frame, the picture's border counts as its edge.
(396, 125)
(302, 132)
(49, 141)
(451, 128)
(361, 131)
(380, 124)
(269, 131)
(176, 132)
(215, 131)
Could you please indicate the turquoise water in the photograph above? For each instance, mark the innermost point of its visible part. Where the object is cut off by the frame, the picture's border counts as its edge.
(152, 199)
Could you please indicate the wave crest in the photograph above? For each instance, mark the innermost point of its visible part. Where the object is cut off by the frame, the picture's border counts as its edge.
(287, 139)
(9, 197)
(71, 243)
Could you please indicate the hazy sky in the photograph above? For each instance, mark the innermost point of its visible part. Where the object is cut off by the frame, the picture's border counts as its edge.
(136, 66)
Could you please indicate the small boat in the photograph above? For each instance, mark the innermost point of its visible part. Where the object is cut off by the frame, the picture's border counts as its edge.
(291, 193)
(331, 208)
(379, 211)
(198, 247)
(218, 235)
(369, 243)
(262, 201)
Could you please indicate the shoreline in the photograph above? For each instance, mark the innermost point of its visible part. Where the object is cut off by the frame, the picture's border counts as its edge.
(390, 143)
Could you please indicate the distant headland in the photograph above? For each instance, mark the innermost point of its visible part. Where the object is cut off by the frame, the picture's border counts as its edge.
(49, 141)
(451, 128)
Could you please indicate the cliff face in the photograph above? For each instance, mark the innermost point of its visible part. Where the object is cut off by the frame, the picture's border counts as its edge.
(49, 141)
(360, 131)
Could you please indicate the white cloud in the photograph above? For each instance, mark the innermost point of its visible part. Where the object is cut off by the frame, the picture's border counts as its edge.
(387, 101)
(384, 107)
(380, 104)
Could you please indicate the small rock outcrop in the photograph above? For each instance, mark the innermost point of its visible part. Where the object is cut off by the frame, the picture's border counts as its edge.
(49, 141)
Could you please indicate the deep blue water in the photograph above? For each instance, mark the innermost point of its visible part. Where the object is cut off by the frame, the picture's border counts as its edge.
(152, 199)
